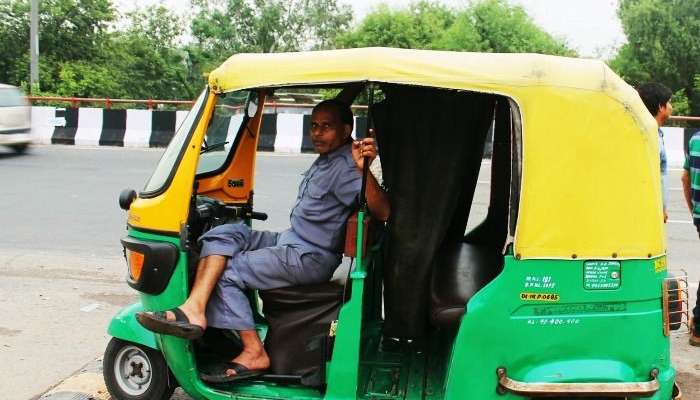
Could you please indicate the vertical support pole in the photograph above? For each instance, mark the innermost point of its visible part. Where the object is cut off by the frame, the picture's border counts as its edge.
(34, 45)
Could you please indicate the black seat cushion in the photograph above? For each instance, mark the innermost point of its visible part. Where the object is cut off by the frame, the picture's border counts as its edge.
(295, 316)
(459, 271)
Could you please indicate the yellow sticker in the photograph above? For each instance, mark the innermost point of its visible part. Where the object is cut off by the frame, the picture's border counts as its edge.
(550, 297)
(660, 264)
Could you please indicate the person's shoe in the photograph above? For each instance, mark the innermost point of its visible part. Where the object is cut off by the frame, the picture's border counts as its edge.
(694, 338)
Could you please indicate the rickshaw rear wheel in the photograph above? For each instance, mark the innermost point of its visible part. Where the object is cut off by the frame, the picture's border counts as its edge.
(135, 372)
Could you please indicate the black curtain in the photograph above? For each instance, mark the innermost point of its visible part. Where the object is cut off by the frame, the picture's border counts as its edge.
(431, 143)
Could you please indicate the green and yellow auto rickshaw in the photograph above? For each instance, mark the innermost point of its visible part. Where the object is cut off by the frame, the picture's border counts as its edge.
(559, 292)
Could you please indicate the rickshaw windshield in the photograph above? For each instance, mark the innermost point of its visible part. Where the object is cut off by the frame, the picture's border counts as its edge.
(168, 162)
(223, 129)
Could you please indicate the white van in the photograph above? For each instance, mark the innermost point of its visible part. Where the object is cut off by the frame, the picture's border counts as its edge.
(15, 119)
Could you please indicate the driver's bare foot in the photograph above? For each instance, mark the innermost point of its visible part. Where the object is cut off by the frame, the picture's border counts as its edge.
(251, 359)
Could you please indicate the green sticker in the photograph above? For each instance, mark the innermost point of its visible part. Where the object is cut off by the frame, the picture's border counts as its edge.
(601, 275)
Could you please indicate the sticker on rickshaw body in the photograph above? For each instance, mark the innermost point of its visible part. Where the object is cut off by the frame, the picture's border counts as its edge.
(602, 275)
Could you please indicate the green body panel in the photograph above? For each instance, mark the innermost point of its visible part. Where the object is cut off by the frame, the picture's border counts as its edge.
(345, 362)
(577, 335)
(179, 352)
(536, 319)
(124, 326)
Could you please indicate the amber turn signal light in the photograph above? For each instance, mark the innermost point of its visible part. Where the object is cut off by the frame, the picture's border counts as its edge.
(135, 260)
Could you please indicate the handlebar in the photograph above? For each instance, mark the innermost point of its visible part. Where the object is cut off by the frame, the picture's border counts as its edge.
(242, 212)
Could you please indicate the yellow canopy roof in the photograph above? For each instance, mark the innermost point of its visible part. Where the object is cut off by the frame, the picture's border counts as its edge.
(590, 182)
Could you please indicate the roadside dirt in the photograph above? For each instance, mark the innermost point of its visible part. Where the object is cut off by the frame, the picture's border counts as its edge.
(686, 359)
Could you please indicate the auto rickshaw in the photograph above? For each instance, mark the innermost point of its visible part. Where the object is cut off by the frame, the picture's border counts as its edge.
(559, 292)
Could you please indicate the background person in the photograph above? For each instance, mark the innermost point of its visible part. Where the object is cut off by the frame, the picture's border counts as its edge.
(657, 99)
(691, 190)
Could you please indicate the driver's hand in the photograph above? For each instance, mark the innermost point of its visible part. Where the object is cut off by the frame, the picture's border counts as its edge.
(366, 147)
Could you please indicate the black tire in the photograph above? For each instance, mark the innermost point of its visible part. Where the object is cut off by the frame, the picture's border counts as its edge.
(145, 375)
(20, 148)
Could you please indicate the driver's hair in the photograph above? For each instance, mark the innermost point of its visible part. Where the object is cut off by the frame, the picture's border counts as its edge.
(340, 108)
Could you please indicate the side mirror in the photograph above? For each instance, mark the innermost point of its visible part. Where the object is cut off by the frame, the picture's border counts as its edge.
(126, 197)
(251, 107)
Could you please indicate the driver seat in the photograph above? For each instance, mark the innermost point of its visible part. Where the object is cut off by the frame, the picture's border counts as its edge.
(299, 318)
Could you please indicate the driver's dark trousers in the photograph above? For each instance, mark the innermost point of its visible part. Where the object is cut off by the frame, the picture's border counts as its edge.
(258, 260)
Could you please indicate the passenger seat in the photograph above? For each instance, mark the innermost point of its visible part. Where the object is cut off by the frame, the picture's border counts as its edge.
(459, 271)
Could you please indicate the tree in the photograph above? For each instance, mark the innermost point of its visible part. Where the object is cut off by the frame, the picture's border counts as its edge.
(662, 44)
(14, 31)
(508, 29)
(222, 28)
(147, 59)
(415, 27)
(489, 25)
(72, 31)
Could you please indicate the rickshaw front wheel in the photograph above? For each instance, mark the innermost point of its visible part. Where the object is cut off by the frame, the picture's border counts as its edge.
(135, 372)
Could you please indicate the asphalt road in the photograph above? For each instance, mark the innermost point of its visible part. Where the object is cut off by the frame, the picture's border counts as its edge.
(60, 257)
(62, 269)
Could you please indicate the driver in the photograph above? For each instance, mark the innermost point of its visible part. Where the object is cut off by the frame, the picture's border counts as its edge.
(235, 258)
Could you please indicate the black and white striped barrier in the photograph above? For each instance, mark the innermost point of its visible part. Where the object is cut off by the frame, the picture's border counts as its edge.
(101, 127)
(281, 132)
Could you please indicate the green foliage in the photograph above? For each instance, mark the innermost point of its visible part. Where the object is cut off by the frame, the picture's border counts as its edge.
(416, 27)
(222, 28)
(489, 25)
(508, 29)
(83, 55)
(88, 50)
(147, 53)
(680, 103)
(662, 45)
(14, 29)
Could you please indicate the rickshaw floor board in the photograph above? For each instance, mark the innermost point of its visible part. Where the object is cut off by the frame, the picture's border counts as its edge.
(390, 369)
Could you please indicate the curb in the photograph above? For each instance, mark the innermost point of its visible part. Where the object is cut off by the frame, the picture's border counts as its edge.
(87, 383)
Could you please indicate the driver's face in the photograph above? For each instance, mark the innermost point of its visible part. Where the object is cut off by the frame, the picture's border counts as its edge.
(327, 130)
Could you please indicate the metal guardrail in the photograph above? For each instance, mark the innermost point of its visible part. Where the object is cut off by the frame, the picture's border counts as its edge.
(151, 103)
(684, 118)
(76, 101)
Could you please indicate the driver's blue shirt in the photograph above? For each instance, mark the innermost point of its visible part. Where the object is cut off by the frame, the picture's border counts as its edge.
(327, 195)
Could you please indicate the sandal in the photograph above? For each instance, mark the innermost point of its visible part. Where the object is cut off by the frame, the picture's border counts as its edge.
(181, 327)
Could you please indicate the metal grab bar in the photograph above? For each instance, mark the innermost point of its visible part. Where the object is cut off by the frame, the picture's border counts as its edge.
(544, 389)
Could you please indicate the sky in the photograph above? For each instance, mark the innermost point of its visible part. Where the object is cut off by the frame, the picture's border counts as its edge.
(591, 27)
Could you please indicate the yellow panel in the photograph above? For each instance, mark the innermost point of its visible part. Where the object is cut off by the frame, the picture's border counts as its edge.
(168, 211)
(590, 182)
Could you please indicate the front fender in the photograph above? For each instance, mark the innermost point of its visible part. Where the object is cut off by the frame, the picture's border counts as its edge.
(124, 326)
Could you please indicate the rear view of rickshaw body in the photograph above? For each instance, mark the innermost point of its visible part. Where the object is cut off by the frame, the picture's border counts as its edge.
(556, 293)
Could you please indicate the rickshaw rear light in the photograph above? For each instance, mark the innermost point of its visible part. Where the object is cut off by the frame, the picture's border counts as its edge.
(135, 260)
